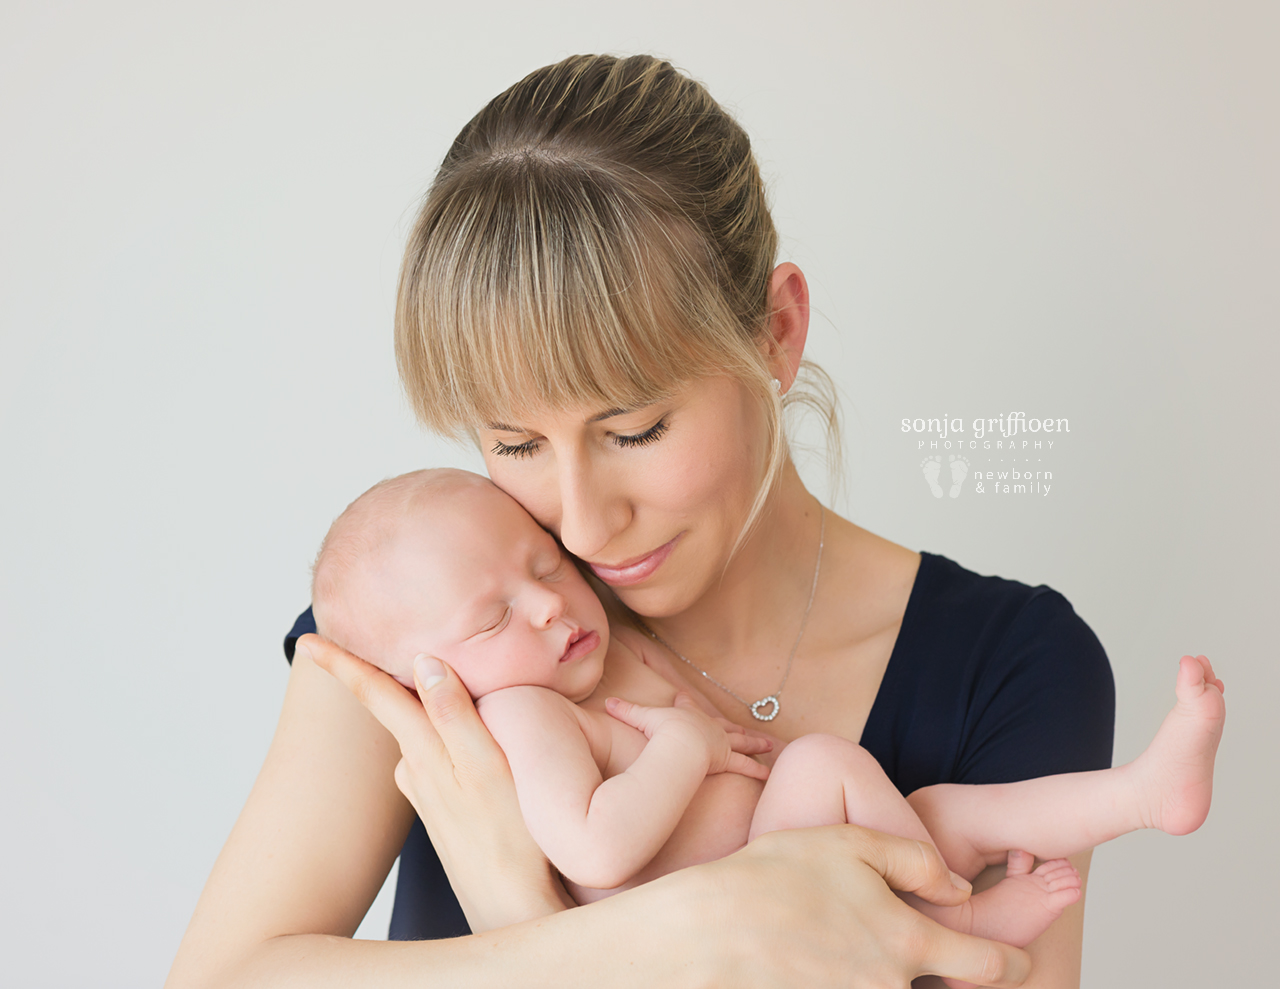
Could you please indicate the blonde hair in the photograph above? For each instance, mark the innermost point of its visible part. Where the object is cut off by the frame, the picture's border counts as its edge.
(598, 233)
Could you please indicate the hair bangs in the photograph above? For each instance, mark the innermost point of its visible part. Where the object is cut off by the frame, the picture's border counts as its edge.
(542, 284)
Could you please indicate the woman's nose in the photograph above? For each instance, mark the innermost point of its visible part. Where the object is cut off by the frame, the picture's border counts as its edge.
(591, 513)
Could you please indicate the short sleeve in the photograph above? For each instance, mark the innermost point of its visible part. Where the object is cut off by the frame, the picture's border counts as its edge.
(303, 625)
(990, 681)
(1044, 702)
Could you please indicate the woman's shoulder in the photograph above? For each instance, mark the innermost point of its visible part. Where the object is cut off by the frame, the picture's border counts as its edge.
(993, 627)
(1014, 682)
(985, 606)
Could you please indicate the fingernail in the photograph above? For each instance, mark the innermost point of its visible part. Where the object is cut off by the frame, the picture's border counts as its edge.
(959, 882)
(428, 670)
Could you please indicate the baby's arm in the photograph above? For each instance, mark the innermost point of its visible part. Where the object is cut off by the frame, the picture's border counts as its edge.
(598, 832)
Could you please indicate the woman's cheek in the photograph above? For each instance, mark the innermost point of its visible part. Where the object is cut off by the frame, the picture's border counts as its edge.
(535, 493)
(718, 470)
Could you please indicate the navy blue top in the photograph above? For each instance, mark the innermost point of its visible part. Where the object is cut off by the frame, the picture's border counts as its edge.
(990, 681)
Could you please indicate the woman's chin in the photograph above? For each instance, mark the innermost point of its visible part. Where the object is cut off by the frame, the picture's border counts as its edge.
(653, 602)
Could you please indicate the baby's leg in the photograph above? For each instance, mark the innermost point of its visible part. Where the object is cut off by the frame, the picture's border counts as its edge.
(1167, 787)
(822, 779)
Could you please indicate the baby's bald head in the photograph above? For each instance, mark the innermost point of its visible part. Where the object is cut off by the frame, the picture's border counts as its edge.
(359, 540)
(446, 564)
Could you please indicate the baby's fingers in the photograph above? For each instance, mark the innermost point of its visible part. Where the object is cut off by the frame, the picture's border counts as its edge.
(746, 766)
(637, 716)
(749, 744)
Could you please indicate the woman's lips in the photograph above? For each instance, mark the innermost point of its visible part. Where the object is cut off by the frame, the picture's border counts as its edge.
(634, 571)
(581, 645)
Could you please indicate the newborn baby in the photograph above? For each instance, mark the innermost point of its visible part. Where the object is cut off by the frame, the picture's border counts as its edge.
(621, 778)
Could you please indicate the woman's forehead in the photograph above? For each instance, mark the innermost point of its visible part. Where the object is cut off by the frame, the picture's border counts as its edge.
(587, 412)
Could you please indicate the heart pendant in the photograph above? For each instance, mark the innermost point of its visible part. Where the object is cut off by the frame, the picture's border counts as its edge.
(773, 712)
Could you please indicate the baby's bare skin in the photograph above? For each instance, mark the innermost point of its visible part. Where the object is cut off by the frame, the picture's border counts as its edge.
(534, 725)
(621, 779)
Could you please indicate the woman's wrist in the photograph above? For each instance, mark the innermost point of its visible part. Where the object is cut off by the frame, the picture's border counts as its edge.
(508, 897)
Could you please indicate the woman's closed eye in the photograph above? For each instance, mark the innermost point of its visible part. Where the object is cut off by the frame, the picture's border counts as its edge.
(526, 449)
(625, 440)
(650, 435)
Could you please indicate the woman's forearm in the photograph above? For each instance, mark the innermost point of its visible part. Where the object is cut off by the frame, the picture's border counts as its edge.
(826, 917)
(582, 947)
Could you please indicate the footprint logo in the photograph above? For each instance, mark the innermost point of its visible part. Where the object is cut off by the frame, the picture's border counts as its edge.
(959, 471)
(932, 467)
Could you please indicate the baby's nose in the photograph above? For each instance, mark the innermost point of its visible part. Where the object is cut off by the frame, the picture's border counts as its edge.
(551, 606)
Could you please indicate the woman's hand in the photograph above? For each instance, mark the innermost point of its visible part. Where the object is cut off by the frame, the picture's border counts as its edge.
(458, 781)
(814, 907)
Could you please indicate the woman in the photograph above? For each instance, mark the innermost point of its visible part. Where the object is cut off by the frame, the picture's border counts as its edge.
(590, 291)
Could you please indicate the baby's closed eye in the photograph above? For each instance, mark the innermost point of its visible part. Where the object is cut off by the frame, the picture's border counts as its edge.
(495, 622)
(551, 569)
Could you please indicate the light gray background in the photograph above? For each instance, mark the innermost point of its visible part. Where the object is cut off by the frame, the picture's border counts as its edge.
(1065, 209)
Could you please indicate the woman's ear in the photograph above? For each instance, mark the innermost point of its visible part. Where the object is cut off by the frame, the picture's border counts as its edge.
(788, 323)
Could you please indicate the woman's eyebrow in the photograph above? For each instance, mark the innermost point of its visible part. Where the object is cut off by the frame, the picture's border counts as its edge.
(609, 414)
(599, 417)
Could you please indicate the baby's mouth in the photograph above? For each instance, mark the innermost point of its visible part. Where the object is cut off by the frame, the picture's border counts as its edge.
(580, 644)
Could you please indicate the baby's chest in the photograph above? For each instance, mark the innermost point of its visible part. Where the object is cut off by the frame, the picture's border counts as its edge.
(615, 745)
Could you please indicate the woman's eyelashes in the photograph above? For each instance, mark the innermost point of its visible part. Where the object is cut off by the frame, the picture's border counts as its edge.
(526, 449)
(650, 435)
(626, 440)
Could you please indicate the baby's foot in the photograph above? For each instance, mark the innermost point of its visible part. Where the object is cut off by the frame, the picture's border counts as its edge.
(932, 467)
(1020, 907)
(1174, 777)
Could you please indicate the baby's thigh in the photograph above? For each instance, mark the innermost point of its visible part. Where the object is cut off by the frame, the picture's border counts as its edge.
(806, 784)
(825, 779)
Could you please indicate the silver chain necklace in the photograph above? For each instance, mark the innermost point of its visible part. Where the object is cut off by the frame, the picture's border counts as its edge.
(774, 701)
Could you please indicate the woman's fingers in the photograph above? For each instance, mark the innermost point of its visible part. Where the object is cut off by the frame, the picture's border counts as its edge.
(457, 779)
(965, 958)
(916, 867)
(451, 712)
(439, 726)
(386, 700)
(910, 866)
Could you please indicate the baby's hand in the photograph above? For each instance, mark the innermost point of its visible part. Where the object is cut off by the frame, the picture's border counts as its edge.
(729, 746)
